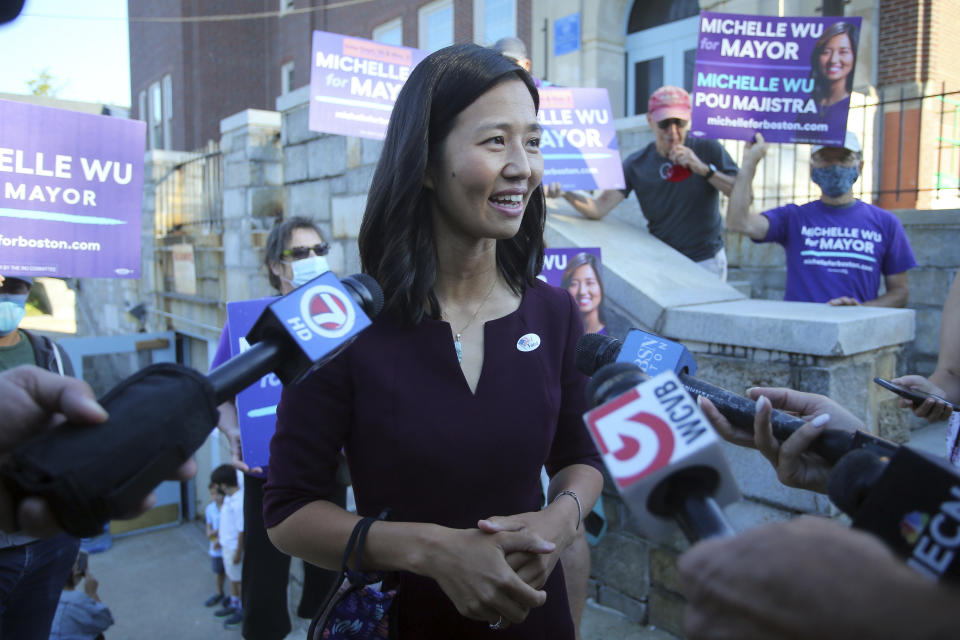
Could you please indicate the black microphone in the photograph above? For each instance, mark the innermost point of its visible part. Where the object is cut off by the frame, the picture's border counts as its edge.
(910, 500)
(90, 474)
(661, 452)
(653, 354)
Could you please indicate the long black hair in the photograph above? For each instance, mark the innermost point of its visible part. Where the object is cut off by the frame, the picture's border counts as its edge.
(821, 86)
(397, 243)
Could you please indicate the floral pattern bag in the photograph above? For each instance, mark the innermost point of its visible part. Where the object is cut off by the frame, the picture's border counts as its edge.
(357, 609)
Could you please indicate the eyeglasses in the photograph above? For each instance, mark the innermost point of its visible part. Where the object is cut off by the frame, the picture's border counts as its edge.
(669, 122)
(299, 253)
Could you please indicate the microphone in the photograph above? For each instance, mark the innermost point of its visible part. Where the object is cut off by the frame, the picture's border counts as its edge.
(654, 354)
(910, 500)
(661, 452)
(90, 474)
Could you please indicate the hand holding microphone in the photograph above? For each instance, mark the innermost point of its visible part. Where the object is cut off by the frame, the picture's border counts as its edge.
(795, 464)
(89, 474)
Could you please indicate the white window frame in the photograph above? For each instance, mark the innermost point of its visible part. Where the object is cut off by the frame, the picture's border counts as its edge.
(423, 20)
(166, 88)
(156, 109)
(388, 28)
(669, 41)
(286, 74)
(479, 23)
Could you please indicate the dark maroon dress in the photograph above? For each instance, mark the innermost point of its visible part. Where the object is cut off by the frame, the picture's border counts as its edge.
(419, 442)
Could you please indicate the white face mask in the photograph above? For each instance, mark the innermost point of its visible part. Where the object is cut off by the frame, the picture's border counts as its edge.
(307, 269)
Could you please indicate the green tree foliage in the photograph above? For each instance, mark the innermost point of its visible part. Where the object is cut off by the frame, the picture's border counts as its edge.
(42, 85)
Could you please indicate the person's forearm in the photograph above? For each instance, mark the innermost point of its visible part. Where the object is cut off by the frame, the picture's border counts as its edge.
(583, 480)
(319, 531)
(949, 381)
(741, 197)
(722, 182)
(896, 298)
(585, 205)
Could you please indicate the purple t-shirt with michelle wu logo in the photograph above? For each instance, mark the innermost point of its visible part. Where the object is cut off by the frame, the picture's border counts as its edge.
(838, 251)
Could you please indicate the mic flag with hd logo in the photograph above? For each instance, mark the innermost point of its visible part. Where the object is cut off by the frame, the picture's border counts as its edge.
(321, 317)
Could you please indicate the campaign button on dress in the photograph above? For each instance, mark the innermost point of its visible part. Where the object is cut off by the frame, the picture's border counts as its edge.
(529, 342)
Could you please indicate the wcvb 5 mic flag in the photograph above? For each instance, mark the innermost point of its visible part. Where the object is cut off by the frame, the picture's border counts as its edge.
(651, 433)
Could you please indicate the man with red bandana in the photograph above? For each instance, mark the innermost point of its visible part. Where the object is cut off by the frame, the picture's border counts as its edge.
(677, 181)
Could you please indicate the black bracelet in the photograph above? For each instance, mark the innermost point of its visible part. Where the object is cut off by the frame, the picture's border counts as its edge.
(709, 173)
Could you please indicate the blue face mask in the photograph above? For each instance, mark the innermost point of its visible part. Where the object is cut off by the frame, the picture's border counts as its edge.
(835, 180)
(12, 310)
(307, 269)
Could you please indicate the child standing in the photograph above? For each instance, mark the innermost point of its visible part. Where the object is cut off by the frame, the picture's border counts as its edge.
(231, 540)
(212, 514)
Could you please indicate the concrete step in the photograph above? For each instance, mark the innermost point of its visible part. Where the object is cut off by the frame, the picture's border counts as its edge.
(603, 623)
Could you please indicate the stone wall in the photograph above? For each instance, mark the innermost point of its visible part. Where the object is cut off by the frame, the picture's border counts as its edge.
(933, 236)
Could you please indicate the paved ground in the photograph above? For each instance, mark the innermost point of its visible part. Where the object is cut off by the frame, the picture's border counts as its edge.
(155, 584)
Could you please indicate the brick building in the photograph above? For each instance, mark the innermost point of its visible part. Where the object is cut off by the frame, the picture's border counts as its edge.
(193, 64)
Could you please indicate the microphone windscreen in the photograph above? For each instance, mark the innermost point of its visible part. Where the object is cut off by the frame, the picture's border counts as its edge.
(369, 292)
(594, 351)
(611, 380)
(852, 478)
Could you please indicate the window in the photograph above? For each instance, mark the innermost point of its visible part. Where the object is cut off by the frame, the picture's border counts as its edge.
(156, 106)
(142, 106)
(494, 19)
(286, 77)
(389, 32)
(286, 5)
(167, 90)
(659, 55)
(436, 25)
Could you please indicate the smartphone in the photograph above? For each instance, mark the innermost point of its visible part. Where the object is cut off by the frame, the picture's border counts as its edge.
(82, 563)
(917, 397)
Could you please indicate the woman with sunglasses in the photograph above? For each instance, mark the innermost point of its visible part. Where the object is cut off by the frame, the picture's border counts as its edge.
(463, 388)
(294, 254)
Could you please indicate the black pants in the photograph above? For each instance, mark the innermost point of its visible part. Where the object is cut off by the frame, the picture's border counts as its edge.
(266, 572)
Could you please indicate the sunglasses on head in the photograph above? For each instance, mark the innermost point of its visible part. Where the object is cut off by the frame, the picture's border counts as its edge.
(299, 253)
(667, 123)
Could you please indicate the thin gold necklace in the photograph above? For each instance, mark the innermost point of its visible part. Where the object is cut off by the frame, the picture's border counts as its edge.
(457, 342)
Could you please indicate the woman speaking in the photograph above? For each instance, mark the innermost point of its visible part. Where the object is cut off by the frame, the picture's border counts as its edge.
(463, 387)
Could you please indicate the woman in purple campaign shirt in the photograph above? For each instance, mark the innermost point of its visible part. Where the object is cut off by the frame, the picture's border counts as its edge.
(464, 386)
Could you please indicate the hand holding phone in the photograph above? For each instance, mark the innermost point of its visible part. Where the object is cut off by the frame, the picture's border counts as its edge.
(82, 563)
(916, 396)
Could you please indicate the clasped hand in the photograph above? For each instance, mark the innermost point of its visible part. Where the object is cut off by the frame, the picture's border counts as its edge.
(472, 567)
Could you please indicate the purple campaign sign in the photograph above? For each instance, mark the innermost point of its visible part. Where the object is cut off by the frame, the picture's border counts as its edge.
(579, 271)
(787, 78)
(257, 404)
(556, 261)
(354, 83)
(71, 192)
(579, 141)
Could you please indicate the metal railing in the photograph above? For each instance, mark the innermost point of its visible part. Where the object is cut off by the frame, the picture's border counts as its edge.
(189, 197)
(911, 149)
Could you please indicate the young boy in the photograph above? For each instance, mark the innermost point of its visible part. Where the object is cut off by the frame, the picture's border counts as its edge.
(212, 514)
(231, 539)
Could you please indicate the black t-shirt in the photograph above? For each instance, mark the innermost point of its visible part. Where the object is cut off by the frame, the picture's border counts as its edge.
(686, 214)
